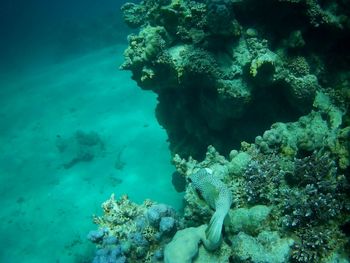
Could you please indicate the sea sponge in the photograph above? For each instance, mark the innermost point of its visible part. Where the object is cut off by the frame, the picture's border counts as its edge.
(218, 197)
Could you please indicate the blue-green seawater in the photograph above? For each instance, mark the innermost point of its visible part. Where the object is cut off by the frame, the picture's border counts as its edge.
(59, 75)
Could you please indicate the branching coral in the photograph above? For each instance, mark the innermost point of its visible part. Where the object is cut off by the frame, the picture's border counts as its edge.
(262, 179)
(140, 231)
(318, 193)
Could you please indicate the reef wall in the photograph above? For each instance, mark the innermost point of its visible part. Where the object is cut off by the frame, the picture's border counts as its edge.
(226, 70)
(254, 96)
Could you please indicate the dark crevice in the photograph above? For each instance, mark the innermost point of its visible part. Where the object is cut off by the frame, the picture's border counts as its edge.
(189, 128)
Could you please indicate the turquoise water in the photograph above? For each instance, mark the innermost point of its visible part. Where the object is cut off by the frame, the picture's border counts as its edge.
(46, 209)
(225, 138)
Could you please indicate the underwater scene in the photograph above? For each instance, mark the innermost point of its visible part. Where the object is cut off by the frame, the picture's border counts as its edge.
(175, 131)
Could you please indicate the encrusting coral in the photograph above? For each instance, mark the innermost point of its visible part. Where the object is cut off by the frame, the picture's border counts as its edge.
(184, 246)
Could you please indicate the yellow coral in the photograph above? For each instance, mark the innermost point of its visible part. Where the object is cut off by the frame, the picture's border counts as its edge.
(260, 61)
(288, 151)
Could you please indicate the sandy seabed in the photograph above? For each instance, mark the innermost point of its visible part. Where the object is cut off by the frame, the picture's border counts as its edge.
(46, 210)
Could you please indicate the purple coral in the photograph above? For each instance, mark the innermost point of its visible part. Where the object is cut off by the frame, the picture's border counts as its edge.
(96, 236)
(156, 212)
(109, 255)
(167, 225)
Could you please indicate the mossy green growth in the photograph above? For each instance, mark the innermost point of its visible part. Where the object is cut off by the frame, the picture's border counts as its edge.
(267, 247)
(248, 220)
(238, 162)
(323, 103)
(184, 246)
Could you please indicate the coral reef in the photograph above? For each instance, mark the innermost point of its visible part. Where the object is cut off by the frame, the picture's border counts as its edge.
(292, 170)
(218, 65)
(278, 208)
(129, 232)
(257, 115)
(307, 202)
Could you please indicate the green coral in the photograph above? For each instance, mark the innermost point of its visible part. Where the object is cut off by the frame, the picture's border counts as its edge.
(249, 220)
(267, 247)
(184, 246)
